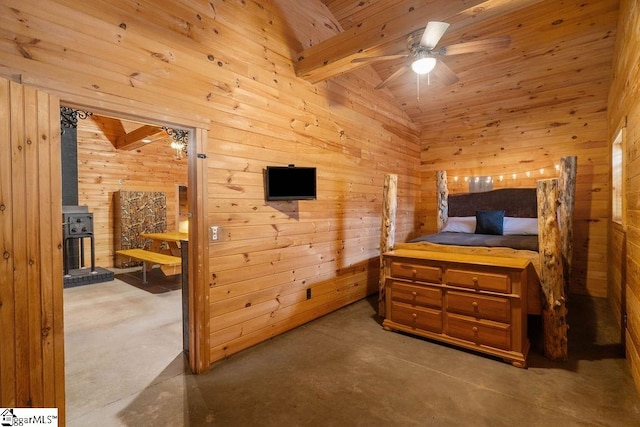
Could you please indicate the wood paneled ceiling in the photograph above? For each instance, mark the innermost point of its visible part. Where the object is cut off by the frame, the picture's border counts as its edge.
(555, 45)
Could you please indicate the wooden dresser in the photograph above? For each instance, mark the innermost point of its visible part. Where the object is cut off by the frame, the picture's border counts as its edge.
(472, 301)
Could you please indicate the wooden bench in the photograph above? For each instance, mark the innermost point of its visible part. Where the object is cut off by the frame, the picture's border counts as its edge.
(169, 264)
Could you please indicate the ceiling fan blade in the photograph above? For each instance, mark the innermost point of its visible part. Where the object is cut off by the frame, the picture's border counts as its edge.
(444, 74)
(380, 58)
(433, 32)
(475, 46)
(393, 76)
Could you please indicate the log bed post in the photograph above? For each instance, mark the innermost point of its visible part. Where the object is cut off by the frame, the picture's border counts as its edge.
(566, 198)
(554, 310)
(443, 198)
(388, 232)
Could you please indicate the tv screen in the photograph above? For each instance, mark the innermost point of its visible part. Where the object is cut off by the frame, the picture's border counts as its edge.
(290, 183)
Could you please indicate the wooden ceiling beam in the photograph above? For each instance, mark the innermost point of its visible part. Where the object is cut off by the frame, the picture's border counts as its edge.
(333, 56)
(133, 139)
(378, 34)
(110, 127)
(115, 131)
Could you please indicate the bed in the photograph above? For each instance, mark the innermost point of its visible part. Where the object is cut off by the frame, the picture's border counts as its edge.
(475, 288)
(520, 240)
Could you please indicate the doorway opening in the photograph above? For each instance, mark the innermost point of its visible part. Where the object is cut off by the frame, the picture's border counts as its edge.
(124, 334)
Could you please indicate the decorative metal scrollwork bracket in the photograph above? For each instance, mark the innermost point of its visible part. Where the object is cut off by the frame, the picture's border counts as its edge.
(180, 140)
(69, 118)
(180, 136)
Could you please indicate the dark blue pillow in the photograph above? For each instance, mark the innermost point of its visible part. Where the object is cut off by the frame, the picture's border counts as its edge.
(489, 222)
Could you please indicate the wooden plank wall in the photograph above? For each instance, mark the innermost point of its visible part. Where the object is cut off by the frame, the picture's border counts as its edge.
(552, 108)
(103, 170)
(227, 67)
(31, 318)
(624, 107)
(272, 254)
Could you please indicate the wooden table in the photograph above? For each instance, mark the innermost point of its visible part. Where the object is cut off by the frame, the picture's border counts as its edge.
(171, 237)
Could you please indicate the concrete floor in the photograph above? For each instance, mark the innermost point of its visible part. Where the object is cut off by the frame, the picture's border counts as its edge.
(125, 368)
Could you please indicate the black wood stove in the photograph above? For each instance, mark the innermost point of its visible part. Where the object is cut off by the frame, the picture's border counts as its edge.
(77, 224)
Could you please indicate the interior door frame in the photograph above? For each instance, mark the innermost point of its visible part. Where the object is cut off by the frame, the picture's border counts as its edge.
(31, 285)
(198, 252)
(32, 344)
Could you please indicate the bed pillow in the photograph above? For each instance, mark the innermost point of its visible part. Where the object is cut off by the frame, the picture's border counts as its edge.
(522, 226)
(489, 222)
(460, 224)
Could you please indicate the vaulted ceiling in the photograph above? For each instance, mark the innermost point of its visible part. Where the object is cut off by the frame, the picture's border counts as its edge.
(554, 44)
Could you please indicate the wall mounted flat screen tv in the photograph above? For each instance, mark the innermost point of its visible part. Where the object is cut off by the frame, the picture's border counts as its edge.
(290, 183)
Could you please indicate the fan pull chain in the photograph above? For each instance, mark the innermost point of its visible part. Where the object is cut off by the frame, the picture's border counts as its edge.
(418, 85)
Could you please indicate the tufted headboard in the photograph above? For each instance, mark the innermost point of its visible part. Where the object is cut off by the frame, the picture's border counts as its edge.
(516, 202)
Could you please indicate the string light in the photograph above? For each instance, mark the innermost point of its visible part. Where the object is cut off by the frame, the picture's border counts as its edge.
(514, 175)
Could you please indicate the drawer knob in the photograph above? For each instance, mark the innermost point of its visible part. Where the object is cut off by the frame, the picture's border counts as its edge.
(474, 304)
(415, 316)
(475, 329)
(414, 272)
(414, 293)
(474, 279)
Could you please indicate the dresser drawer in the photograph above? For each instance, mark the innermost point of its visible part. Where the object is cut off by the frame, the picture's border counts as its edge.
(480, 306)
(424, 296)
(484, 332)
(408, 270)
(415, 317)
(479, 280)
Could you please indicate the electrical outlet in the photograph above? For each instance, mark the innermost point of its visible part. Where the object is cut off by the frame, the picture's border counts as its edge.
(213, 232)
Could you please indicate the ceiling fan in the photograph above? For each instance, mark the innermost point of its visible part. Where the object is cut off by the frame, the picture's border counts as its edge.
(422, 49)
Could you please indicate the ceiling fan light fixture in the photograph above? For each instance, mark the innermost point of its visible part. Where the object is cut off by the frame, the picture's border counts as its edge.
(423, 65)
